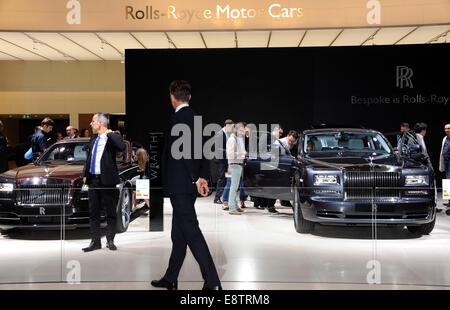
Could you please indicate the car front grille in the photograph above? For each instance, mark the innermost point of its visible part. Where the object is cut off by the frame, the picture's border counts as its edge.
(368, 185)
(44, 194)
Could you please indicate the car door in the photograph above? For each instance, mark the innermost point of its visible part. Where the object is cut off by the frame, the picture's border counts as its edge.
(127, 168)
(265, 175)
(409, 142)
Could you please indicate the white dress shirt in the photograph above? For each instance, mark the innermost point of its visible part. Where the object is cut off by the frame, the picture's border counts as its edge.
(100, 149)
(181, 106)
(235, 150)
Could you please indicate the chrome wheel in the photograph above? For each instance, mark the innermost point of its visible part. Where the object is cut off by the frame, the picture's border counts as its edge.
(126, 213)
(296, 206)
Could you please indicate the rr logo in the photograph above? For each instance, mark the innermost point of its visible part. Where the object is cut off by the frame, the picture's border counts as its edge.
(404, 75)
(74, 15)
(41, 211)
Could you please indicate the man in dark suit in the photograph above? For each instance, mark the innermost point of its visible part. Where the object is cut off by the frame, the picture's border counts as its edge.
(100, 173)
(184, 177)
(41, 140)
(3, 150)
(221, 158)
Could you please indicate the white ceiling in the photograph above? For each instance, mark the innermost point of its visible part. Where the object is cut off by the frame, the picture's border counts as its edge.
(72, 46)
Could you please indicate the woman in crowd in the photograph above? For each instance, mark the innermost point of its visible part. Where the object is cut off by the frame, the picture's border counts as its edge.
(142, 159)
(85, 133)
(59, 136)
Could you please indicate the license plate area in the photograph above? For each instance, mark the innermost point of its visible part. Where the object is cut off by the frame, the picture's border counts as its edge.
(380, 208)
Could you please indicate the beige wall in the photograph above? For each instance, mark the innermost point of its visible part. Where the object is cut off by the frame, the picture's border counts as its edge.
(40, 87)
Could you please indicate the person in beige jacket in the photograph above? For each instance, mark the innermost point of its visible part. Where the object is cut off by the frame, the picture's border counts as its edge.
(235, 155)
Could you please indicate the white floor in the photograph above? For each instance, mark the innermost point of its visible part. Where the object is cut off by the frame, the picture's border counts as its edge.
(251, 251)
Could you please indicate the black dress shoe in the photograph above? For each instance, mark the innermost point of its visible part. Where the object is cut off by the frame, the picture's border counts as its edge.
(218, 201)
(164, 283)
(272, 210)
(94, 245)
(110, 245)
(438, 210)
(447, 211)
(213, 288)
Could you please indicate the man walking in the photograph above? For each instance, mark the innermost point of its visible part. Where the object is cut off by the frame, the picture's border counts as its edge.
(183, 178)
(100, 173)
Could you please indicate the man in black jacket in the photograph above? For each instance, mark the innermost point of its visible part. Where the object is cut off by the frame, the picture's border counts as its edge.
(41, 140)
(100, 173)
(3, 150)
(183, 177)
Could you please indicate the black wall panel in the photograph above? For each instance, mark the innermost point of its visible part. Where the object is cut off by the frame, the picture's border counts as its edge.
(295, 87)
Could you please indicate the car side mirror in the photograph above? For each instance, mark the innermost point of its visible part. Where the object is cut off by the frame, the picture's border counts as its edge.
(413, 149)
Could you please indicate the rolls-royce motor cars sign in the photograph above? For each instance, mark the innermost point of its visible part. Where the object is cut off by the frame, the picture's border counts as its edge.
(204, 15)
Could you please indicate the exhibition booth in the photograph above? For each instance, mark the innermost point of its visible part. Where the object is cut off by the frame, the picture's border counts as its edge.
(366, 208)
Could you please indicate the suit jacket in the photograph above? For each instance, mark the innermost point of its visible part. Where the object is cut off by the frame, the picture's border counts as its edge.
(108, 166)
(221, 147)
(39, 142)
(3, 154)
(441, 157)
(179, 175)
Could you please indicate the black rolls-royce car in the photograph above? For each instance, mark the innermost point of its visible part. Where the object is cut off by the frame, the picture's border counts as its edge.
(349, 176)
(50, 193)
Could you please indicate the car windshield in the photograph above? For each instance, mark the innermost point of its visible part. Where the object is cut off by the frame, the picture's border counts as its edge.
(70, 152)
(348, 141)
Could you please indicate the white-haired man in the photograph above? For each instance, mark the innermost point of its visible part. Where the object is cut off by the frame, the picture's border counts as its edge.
(100, 173)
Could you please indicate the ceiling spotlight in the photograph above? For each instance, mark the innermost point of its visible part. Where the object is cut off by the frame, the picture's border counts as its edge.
(34, 45)
(102, 47)
(122, 59)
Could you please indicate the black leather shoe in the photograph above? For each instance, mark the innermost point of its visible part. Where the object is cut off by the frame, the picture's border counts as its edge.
(272, 210)
(438, 210)
(218, 201)
(94, 245)
(110, 245)
(164, 283)
(213, 288)
(447, 211)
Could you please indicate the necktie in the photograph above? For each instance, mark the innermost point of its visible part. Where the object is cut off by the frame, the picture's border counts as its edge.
(94, 155)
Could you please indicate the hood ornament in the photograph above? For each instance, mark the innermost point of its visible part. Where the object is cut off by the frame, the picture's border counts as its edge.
(371, 158)
(47, 172)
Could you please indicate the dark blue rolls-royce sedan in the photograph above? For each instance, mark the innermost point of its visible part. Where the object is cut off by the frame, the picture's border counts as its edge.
(348, 176)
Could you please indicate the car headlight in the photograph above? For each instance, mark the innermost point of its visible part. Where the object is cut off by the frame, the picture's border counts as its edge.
(6, 187)
(85, 188)
(325, 179)
(416, 180)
